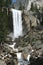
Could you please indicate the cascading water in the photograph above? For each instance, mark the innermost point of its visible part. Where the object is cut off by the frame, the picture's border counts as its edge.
(17, 31)
(17, 23)
(21, 61)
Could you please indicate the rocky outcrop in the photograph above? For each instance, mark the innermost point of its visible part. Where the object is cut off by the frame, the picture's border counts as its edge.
(10, 58)
(2, 62)
(28, 16)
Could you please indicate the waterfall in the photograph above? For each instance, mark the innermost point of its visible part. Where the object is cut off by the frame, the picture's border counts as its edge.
(17, 31)
(19, 56)
(17, 23)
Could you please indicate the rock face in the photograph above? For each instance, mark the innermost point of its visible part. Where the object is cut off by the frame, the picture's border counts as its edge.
(29, 21)
(2, 62)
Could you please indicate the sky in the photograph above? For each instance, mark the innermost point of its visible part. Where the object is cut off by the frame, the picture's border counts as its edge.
(13, 0)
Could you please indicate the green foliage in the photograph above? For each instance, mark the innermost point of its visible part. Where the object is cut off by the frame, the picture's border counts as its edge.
(2, 3)
(32, 7)
(42, 9)
(5, 3)
(4, 19)
(21, 7)
(8, 2)
(3, 26)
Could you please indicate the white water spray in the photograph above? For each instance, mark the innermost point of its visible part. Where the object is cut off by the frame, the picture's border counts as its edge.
(17, 23)
(12, 46)
(20, 59)
(19, 56)
(28, 57)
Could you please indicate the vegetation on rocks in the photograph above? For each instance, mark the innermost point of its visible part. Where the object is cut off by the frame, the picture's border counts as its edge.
(3, 19)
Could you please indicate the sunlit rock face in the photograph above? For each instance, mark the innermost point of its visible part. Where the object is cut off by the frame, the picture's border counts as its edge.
(29, 4)
(17, 23)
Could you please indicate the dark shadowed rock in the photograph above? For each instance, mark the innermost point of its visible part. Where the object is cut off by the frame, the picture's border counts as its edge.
(11, 63)
(38, 61)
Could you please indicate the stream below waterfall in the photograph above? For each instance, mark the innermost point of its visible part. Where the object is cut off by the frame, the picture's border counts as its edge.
(20, 59)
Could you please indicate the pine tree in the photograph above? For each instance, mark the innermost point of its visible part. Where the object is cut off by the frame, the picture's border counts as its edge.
(8, 2)
(21, 7)
(32, 7)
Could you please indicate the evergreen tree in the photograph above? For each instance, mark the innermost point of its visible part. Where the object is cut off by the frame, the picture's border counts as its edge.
(21, 7)
(3, 20)
(36, 9)
(2, 3)
(8, 2)
(32, 7)
(3, 26)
